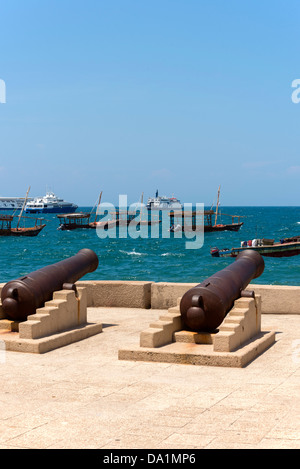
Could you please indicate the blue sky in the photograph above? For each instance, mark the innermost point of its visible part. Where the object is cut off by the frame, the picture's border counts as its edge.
(129, 96)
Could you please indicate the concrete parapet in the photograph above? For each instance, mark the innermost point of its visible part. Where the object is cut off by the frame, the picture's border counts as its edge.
(276, 299)
(164, 294)
(114, 293)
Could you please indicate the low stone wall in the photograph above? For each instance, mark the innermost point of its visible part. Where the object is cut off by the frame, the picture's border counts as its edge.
(135, 294)
(276, 299)
(164, 295)
(279, 299)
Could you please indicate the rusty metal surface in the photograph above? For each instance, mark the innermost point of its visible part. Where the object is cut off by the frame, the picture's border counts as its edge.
(21, 297)
(204, 306)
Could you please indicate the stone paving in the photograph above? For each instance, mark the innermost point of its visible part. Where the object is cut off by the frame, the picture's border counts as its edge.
(82, 396)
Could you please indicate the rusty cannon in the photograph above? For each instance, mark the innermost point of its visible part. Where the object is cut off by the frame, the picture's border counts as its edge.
(22, 297)
(204, 306)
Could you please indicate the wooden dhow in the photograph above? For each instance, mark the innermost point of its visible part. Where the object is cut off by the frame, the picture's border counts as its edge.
(207, 220)
(286, 247)
(6, 221)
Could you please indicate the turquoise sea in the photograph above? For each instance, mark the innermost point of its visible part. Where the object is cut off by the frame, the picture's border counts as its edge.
(156, 259)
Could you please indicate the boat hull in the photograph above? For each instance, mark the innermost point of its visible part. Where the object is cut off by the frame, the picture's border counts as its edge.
(29, 232)
(66, 209)
(281, 250)
(117, 223)
(72, 226)
(208, 228)
(164, 207)
(229, 227)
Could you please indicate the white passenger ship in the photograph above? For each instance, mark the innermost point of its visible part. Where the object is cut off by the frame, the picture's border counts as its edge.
(50, 203)
(163, 203)
(12, 203)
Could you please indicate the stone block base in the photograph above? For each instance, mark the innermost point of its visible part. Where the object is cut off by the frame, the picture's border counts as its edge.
(61, 321)
(14, 343)
(238, 340)
(195, 354)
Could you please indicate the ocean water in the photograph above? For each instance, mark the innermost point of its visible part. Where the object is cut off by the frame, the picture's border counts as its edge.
(156, 259)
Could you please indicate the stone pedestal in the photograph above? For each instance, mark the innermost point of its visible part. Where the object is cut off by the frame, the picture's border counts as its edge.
(237, 341)
(61, 321)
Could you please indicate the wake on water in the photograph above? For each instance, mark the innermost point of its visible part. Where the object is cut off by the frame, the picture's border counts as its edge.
(132, 253)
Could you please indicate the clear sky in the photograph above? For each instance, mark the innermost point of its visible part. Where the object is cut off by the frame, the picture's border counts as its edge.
(130, 96)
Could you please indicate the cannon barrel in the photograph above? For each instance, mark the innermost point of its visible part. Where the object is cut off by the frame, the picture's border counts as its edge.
(24, 295)
(204, 306)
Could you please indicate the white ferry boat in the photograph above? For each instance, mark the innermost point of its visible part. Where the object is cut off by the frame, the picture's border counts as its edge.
(163, 203)
(11, 203)
(50, 203)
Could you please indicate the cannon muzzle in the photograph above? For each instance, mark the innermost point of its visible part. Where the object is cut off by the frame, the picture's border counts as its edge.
(22, 297)
(204, 307)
